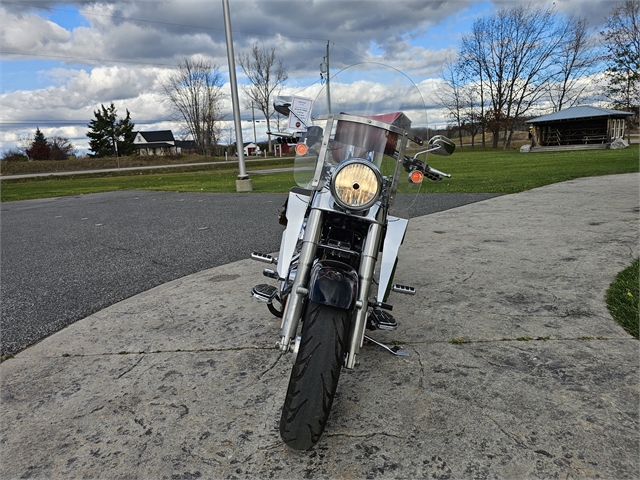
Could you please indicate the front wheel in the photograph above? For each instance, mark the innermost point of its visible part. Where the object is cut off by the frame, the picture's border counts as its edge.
(315, 374)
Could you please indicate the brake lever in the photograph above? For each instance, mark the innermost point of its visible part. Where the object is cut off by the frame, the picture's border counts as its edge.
(435, 175)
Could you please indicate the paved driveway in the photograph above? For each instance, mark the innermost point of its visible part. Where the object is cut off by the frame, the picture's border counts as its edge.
(183, 381)
(63, 259)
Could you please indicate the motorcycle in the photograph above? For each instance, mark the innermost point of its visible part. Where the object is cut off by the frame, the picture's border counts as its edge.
(344, 226)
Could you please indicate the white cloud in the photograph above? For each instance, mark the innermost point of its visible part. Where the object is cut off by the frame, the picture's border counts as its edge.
(132, 44)
(29, 33)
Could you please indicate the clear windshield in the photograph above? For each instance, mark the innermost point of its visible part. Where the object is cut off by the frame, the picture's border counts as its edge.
(381, 100)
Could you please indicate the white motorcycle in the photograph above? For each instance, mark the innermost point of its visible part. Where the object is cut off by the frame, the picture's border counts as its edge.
(344, 227)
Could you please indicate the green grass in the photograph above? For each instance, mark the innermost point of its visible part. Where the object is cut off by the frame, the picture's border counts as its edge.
(623, 297)
(472, 172)
(511, 172)
(88, 163)
(219, 178)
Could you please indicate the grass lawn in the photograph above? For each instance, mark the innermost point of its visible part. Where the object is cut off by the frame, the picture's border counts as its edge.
(219, 178)
(622, 299)
(472, 172)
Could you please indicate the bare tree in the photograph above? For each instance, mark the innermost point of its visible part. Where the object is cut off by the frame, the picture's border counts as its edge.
(61, 148)
(194, 92)
(622, 41)
(511, 52)
(573, 61)
(451, 97)
(24, 144)
(473, 119)
(266, 75)
(471, 63)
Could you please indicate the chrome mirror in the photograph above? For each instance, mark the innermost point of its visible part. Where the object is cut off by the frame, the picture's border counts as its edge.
(282, 104)
(441, 145)
(438, 145)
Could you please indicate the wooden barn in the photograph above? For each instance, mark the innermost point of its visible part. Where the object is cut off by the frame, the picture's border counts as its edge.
(577, 128)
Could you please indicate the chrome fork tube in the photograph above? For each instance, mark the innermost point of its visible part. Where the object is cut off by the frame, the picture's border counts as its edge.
(299, 291)
(367, 266)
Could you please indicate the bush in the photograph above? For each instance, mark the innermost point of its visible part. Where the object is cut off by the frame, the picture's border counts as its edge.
(14, 155)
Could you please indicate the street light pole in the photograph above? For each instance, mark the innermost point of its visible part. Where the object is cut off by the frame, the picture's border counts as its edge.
(243, 183)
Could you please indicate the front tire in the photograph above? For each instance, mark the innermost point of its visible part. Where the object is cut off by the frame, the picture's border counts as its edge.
(315, 374)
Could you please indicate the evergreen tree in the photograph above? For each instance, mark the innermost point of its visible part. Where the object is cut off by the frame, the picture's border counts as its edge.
(110, 136)
(125, 145)
(39, 149)
(39, 137)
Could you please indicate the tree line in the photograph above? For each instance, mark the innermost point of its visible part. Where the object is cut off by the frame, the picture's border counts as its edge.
(522, 58)
(193, 92)
(109, 136)
(39, 147)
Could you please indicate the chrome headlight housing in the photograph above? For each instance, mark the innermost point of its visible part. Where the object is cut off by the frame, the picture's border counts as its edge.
(356, 184)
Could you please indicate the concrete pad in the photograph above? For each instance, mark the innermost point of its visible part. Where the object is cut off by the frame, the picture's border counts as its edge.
(183, 381)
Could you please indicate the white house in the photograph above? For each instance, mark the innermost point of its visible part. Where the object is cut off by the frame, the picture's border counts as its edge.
(160, 142)
(251, 149)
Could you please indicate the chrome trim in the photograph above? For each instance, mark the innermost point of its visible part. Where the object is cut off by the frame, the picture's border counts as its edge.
(370, 251)
(406, 289)
(352, 253)
(262, 257)
(323, 200)
(293, 311)
(326, 140)
(369, 121)
(345, 164)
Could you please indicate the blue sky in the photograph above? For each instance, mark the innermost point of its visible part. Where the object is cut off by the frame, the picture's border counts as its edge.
(128, 47)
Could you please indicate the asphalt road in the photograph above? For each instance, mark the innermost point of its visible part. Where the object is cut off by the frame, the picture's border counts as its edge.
(63, 259)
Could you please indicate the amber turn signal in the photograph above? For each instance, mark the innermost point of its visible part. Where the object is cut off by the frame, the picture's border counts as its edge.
(301, 149)
(416, 176)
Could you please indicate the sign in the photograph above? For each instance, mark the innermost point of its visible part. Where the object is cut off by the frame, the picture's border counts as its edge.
(300, 113)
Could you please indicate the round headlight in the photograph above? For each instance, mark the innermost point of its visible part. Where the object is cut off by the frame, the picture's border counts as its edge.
(356, 184)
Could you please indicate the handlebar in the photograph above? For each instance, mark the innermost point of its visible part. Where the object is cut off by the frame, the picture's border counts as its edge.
(411, 163)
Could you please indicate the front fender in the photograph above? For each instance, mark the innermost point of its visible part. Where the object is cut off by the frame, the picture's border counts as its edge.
(396, 228)
(333, 283)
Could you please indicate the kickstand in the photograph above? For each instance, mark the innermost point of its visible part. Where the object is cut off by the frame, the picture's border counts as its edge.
(396, 349)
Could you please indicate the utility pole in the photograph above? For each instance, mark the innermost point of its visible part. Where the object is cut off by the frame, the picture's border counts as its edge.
(243, 183)
(324, 73)
(253, 117)
(328, 80)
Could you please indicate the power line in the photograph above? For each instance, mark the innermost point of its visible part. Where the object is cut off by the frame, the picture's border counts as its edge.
(83, 123)
(48, 122)
(350, 51)
(4, 52)
(129, 62)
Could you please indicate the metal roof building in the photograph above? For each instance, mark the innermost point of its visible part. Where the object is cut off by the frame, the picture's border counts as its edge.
(577, 127)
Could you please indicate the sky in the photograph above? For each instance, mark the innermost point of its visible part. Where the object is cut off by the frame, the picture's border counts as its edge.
(61, 60)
